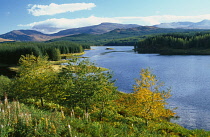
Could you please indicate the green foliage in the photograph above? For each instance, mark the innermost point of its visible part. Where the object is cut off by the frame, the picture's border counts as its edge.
(17, 119)
(177, 43)
(87, 85)
(36, 79)
(11, 52)
(130, 41)
(80, 83)
(122, 37)
(54, 54)
(4, 85)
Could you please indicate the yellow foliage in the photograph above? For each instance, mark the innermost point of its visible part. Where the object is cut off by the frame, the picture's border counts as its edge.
(147, 101)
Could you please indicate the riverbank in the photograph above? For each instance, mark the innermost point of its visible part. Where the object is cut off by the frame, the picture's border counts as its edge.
(11, 70)
(185, 75)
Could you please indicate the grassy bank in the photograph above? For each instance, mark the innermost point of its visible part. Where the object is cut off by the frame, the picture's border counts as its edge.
(18, 119)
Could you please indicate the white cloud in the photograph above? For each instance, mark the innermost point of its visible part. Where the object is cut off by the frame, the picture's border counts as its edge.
(55, 25)
(153, 20)
(52, 9)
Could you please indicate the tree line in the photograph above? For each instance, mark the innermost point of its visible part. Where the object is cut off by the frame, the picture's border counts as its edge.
(11, 52)
(176, 43)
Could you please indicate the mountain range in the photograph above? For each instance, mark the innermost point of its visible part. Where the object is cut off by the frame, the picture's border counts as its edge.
(205, 24)
(33, 35)
(103, 28)
(26, 35)
(96, 29)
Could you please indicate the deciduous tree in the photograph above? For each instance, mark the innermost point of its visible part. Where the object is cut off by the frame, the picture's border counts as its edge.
(147, 100)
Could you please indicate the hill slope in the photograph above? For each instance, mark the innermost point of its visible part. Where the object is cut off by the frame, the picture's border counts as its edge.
(26, 35)
(96, 29)
(104, 39)
(106, 31)
(5, 40)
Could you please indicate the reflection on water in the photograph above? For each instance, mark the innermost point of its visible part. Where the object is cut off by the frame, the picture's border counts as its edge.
(191, 117)
(188, 77)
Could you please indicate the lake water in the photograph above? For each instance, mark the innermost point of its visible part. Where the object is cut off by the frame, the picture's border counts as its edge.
(187, 76)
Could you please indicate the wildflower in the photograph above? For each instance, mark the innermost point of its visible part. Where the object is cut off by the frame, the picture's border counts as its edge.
(69, 126)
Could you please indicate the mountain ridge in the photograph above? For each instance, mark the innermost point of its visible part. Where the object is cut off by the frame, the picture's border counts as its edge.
(106, 27)
(33, 35)
(27, 35)
(95, 29)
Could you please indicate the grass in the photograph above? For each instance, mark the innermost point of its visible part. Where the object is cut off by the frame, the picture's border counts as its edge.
(72, 55)
(5, 40)
(17, 119)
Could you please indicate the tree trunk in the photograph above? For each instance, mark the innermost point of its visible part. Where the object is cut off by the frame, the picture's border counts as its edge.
(102, 111)
(42, 102)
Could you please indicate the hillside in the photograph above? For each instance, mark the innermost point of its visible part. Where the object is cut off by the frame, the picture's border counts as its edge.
(27, 35)
(32, 35)
(5, 40)
(100, 34)
(96, 29)
(119, 34)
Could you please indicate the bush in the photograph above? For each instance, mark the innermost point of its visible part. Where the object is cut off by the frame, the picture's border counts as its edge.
(4, 85)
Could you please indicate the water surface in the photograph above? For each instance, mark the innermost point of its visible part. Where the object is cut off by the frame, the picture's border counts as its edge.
(187, 76)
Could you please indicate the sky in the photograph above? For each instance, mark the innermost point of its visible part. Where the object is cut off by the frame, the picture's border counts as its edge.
(51, 16)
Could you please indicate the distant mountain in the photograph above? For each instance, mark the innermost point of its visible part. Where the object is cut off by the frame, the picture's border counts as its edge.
(32, 35)
(107, 30)
(119, 34)
(205, 24)
(26, 35)
(96, 29)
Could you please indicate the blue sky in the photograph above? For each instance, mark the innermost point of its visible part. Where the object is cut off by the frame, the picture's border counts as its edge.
(50, 16)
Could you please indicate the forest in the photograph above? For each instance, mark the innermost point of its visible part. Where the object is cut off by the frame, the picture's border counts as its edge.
(11, 52)
(81, 100)
(194, 43)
